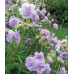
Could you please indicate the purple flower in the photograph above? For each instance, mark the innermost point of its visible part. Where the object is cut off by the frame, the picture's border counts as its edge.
(64, 41)
(43, 11)
(34, 24)
(7, 24)
(26, 48)
(27, 10)
(45, 32)
(6, 1)
(7, 7)
(43, 20)
(55, 26)
(19, 2)
(29, 43)
(37, 10)
(40, 66)
(48, 48)
(51, 44)
(28, 40)
(13, 22)
(35, 18)
(63, 71)
(10, 36)
(5, 31)
(12, 0)
(63, 55)
(24, 43)
(40, 26)
(48, 69)
(57, 47)
(48, 14)
(51, 61)
(24, 0)
(39, 56)
(46, 18)
(53, 34)
(15, 5)
(55, 40)
(13, 36)
(30, 63)
(59, 42)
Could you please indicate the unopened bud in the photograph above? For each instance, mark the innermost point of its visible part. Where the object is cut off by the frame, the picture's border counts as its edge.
(51, 61)
(40, 41)
(52, 55)
(60, 60)
(37, 37)
(65, 46)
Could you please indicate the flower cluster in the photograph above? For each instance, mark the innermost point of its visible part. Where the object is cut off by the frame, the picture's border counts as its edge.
(27, 42)
(45, 19)
(35, 27)
(43, 11)
(55, 40)
(6, 1)
(37, 63)
(61, 45)
(7, 7)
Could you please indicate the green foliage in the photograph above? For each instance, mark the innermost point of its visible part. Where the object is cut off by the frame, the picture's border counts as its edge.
(61, 33)
(58, 7)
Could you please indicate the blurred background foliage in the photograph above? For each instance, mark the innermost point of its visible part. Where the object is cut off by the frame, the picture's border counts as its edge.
(58, 8)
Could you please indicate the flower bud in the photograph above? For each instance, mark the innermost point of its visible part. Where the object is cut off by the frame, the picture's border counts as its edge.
(37, 37)
(45, 38)
(52, 39)
(65, 46)
(51, 61)
(18, 26)
(49, 58)
(5, 14)
(60, 60)
(52, 55)
(40, 41)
